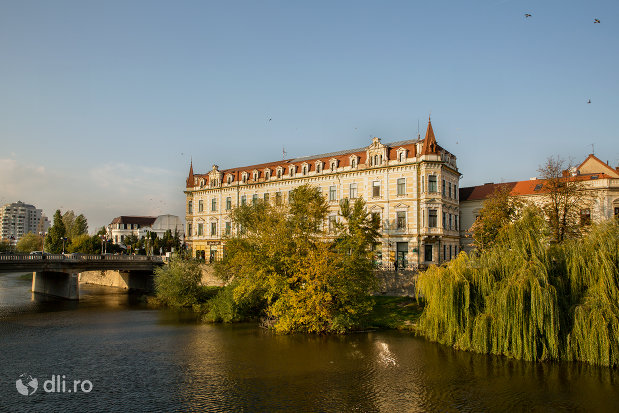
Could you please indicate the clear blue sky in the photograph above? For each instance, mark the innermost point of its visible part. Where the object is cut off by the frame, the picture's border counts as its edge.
(102, 103)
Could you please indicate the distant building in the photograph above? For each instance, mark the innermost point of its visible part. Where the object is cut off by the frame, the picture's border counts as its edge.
(140, 226)
(18, 219)
(599, 180)
(412, 185)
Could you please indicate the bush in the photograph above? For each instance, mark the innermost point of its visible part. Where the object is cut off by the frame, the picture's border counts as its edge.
(179, 284)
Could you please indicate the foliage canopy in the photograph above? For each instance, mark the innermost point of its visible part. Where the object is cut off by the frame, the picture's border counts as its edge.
(283, 264)
(528, 298)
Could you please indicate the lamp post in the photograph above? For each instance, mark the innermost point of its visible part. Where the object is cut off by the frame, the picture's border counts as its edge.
(43, 234)
(102, 237)
(64, 239)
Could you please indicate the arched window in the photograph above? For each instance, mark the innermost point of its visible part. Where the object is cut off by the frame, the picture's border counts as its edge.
(375, 159)
(279, 172)
(267, 174)
(229, 179)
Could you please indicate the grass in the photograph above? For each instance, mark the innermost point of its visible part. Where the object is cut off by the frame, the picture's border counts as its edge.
(400, 313)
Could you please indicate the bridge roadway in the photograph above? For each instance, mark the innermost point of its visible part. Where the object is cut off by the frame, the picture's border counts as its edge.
(58, 274)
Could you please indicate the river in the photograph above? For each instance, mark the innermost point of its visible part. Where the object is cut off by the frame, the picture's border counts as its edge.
(133, 358)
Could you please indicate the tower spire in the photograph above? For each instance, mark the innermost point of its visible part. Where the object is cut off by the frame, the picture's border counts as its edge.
(190, 176)
(429, 143)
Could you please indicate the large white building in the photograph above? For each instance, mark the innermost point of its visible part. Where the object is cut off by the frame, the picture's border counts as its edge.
(141, 226)
(18, 219)
(411, 184)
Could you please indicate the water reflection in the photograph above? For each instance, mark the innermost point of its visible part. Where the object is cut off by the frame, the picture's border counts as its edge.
(140, 359)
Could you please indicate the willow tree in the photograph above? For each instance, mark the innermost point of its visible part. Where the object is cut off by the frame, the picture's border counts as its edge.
(528, 299)
(281, 265)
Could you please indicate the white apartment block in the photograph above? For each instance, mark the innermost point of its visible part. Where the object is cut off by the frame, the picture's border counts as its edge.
(411, 184)
(141, 226)
(18, 219)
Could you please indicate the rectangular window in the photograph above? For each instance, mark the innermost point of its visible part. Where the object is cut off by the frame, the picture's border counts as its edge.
(432, 183)
(214, 204)
(200, 229)
(450, 221)
(353, 191)
(443, 189)
(427, 256)
(376, 188)
(190, 207)
(455, 192)
(189, 233)
(445, 220)
(401, 186)
(332, 193)
(228, 228)
(200, 206)
(228, 203)
(254, 198)
(450, 189)
(585, 216)
(266, 197)
(332, 221)
(450, 255)
(456, 222)
(213, 228)
(278, 198)
(401, 220)
(432, 218)
(243, 199)
(444, 251)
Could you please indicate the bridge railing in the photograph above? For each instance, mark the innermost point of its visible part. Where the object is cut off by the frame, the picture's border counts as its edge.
(79, 257)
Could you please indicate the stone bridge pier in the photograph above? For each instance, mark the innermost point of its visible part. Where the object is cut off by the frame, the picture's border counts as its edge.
(57, 284)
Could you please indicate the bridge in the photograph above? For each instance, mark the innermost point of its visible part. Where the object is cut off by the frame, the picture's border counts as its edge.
(58, 274)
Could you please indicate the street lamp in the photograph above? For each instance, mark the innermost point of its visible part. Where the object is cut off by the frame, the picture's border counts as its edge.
(43, 234)
(102, 237)
(64, 239)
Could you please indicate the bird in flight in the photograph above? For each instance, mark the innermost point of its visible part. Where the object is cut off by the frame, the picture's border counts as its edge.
(527, 15)
(596, 21)
(589, 101)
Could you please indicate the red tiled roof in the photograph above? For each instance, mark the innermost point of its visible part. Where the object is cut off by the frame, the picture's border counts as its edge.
(530, 187)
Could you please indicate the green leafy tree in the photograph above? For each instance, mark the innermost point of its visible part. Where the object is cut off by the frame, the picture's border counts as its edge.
(565, 197)
(80, 226)
(55, 235)
(30, 242)
(68, 218)
(283, 267)
(178, 284)
(5, 246)
(498, 210)
(85, 244)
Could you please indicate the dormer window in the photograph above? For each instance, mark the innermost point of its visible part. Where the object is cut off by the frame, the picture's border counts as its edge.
(229, 179)
(267, 174)
(304, 169)
(256, 175)
(354, 161)
(244, 177)
(293, 169)
(318, 167)
(279, 172)
(333, 164)
(402, 155)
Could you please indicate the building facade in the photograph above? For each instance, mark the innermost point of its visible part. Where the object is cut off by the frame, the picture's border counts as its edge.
(412, 185)
(141, 226)
(598, 181)
(18, 219)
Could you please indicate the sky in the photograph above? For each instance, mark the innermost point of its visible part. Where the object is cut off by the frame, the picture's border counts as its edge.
(103, 104)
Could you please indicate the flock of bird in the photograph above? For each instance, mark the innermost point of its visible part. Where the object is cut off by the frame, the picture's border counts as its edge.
(595, 21)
